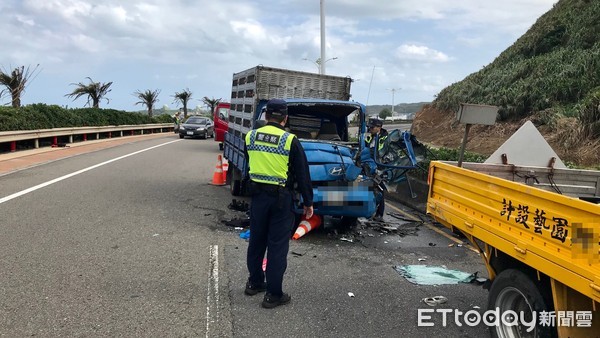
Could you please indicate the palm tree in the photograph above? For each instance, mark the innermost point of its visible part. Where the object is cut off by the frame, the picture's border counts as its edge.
(147, 98)
(211, 102)
(184, 97)
(95, 92)
(16, 82)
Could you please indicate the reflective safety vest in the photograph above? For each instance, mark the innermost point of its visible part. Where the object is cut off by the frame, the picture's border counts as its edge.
(369, 138)
(269, 154)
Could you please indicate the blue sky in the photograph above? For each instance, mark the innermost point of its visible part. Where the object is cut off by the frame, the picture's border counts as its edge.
(420, 46)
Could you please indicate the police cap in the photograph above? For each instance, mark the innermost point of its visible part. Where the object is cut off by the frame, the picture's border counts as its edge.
(375, 123)
(277, 107)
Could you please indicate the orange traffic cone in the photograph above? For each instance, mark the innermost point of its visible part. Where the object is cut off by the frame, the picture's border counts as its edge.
(307, 225)
(218, 174)
(225, 168)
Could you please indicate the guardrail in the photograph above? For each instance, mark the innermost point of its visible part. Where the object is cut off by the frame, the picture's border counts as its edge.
(58, 136)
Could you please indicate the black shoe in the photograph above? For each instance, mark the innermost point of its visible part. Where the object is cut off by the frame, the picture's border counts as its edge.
(271, 301)
(252, 290)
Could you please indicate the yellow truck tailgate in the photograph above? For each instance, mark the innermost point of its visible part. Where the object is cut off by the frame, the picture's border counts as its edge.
(552, 233)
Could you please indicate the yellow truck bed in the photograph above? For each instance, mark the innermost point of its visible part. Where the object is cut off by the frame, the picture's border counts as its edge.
(530, 219)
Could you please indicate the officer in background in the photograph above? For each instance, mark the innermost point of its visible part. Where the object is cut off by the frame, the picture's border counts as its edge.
(276, 160)
(376, 129)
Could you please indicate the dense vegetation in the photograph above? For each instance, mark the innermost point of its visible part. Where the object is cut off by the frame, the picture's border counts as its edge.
(42, 116)
(551, 72)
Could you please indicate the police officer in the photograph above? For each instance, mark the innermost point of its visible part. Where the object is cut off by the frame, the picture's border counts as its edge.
(376, 129)
(276, 160)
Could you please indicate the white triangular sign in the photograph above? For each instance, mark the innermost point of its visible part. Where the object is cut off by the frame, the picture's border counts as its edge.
(526, 147)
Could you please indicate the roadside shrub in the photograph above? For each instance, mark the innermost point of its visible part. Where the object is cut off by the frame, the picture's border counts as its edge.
(162, 118)
(451, 154)
(589, 115)
(43, 116)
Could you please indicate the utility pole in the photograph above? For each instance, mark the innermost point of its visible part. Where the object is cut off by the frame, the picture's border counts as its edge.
(322, 64)
(393, 90)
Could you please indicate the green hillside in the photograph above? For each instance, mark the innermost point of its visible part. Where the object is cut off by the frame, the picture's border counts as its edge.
(551, 72)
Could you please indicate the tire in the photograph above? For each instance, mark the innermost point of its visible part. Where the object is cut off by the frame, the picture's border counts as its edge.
(221, 146)
(348, 222)
(181, 136)
(514, 290)
(235, 185)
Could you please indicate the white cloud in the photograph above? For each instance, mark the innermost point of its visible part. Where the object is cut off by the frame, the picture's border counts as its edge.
(25, 20)
(173, 44)
(420, 53)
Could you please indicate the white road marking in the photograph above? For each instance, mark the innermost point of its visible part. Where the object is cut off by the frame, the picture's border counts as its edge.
(56, 180)
(212, 297)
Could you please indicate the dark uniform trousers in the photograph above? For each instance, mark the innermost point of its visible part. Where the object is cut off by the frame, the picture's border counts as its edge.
(271, 222)
(381, 204)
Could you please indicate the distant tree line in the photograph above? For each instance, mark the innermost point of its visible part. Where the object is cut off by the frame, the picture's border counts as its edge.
(16, 80)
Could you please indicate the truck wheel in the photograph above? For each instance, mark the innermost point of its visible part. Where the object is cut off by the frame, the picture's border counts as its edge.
(348, 222)
(236, 187)
(514, 290)
(221, 146)
(235, 182)
(181, 136)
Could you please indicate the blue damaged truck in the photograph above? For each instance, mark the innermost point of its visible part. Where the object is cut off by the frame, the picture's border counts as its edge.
(319, 109)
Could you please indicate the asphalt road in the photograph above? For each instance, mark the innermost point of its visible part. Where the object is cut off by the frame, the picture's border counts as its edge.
(129, 241)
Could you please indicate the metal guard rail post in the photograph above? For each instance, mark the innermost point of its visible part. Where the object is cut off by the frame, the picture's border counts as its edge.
(13, 137)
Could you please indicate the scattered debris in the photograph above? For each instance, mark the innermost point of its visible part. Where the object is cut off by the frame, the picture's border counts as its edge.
(401, 217)
(297, 254)
(239, 205)
(350, 294)
(346, 239)
(399, 228)
(476, 307)
(238, 228)
(478, 280)
(245, 234)
(433, 301)
(422, 259)
(237, 222)
(432, 244)
(154, 235)
(451, 245)
(433, 275)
